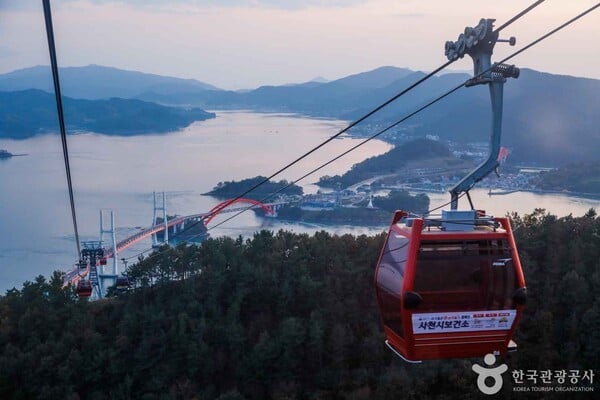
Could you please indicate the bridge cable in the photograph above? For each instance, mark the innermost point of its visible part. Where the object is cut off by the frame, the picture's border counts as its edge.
(531, 44)
(61, 117)
(512, 20)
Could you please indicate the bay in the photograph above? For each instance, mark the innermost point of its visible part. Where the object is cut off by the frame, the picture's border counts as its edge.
(120, 174)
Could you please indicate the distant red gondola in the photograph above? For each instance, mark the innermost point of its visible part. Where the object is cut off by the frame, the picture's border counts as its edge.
(449, 288)
(84, 288)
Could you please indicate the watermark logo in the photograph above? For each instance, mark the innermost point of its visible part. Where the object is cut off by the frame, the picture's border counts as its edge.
(487, 372)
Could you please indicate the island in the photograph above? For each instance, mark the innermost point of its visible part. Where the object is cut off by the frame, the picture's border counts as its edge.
(5, 154)
(232, 189)
(26, 113)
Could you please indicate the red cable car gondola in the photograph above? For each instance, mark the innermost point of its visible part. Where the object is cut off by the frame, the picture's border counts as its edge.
(84, 288)
(449, 289)
(103, 261)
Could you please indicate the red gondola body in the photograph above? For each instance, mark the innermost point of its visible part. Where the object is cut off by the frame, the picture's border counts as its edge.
(84, 288)
(447, 293)
(103, 261)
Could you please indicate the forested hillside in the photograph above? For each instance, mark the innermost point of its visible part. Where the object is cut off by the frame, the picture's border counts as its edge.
(283, 316)
(582, 177)
(394, 160)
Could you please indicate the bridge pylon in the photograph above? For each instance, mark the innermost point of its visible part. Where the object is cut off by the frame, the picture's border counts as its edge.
(108, 278)
(113, 241)
(162, 208)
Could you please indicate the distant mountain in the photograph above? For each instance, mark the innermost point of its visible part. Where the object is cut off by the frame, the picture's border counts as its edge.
(377, 78)
(548, 119)
(28, 112)
(98, 82)
(319, 79)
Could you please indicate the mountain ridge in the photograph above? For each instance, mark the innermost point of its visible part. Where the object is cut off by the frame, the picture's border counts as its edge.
(25, 113)
(548, 119)
(97, 81)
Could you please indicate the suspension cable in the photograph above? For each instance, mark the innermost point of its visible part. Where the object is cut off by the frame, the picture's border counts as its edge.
(61, 117)
(373, 111)
(519, 15)
(525, 11)
(531, 44)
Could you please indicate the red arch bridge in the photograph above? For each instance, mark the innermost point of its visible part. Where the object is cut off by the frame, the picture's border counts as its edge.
(178, 224)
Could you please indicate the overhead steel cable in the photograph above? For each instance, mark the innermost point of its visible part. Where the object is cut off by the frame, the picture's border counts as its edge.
(512, 20)
(531, 44)
(373, 111)
(61, 117)
(341, 132)
(519, 15)
(552, 32)
(351, 149)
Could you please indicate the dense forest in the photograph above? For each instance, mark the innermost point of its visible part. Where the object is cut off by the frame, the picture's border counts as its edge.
(284, 316)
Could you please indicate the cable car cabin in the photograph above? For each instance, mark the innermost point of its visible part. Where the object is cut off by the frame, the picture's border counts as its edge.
(84, 288)
(122, 284)
(103, 261)
(449, 288)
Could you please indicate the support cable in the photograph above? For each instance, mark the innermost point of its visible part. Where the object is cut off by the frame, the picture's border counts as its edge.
(387, 128)
(61, 117)
(519, 15)
(375, 110)
(531, 44)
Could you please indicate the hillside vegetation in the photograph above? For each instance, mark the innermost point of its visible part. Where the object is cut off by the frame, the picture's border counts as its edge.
(392, 161)
(581, 177)
(283, 316)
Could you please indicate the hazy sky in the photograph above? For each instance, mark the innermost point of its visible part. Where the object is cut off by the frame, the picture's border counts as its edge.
(246, 43)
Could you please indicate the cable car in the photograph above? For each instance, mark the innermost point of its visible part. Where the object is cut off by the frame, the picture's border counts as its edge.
(84, 288)
(103, 261)
(451, 287)
(122, 284)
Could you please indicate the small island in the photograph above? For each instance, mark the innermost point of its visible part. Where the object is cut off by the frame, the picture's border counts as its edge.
(5, 154)
(231, 189)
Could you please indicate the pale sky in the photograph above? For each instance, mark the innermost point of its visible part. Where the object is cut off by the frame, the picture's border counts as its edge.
(236, 44)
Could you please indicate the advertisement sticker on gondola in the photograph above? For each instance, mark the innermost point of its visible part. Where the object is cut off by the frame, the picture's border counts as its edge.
(463, 321)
